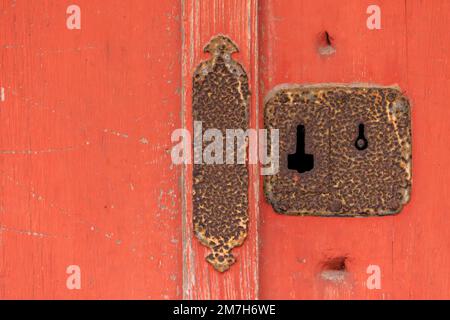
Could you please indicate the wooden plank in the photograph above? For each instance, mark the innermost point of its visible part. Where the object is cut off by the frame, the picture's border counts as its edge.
(85, 176)
(328, 258)
(202, 20)
(307, 255)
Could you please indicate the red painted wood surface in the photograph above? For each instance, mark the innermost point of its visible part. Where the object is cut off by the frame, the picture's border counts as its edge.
(86, 176)
(411, 50)
(201, 21)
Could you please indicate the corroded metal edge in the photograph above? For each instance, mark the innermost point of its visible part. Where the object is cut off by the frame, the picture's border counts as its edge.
(398, 111)
(220, 191)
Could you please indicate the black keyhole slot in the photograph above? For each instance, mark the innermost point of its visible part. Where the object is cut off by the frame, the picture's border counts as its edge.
(300, 161)
(361, 142)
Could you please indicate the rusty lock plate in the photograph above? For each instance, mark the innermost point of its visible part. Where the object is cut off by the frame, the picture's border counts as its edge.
(344, 150)
(220, 191)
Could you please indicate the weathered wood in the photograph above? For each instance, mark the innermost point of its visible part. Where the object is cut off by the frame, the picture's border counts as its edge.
(85, 176)
(202, 20)
(411, 51)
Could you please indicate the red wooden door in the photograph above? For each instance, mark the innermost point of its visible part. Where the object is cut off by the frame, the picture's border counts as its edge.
(323, 258)
(91, 205)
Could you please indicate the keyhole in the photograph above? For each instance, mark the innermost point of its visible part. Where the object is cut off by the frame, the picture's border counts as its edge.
(300, 161)
(361, 142)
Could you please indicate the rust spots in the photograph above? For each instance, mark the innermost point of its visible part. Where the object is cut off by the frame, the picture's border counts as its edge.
(220, 197)
(360, 140)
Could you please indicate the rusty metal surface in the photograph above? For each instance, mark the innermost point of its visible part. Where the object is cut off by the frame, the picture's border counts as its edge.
(352, 174)
(220, 199)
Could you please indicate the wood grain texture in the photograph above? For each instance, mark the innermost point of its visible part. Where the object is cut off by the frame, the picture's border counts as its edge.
(412, 248)
(237, 19)
(85, 176)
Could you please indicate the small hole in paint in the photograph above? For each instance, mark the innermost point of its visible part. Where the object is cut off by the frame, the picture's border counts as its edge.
(326, 44)
(336, 264)
(335, 270)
